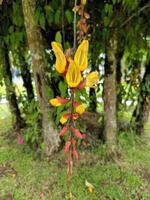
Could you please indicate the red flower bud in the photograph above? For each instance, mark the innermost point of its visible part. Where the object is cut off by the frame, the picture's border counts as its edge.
(73, 141)
(67, 146)
(75, 115)
(77, 132)
(63, 131)
(75, 154)
(83, 135)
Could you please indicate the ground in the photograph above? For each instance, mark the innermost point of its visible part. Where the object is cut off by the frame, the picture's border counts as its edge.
(26, 176)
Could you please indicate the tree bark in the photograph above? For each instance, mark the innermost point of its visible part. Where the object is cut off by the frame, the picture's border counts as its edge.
(17, 120)
(141, 112)
(110, 124)
(50, 135)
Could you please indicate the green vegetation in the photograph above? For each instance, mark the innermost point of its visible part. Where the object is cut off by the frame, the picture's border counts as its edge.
(26, 175)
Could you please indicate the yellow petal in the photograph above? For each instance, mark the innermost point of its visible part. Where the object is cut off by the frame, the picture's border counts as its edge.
(73, 75)
(63, 120)
(92, 78)
(81, 55)
(54, 102)
(60, 57)
(80, 109)
(89, 186)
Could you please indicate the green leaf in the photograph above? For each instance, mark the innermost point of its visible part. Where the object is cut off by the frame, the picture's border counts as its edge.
(106, 21)
(57, 16)
(58, 37)
(69, 16)
(67, 45)
(49, 92)
(42, 21)
(49, 14)
(63, 88)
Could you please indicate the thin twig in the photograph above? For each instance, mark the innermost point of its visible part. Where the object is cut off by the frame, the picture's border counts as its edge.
(134, 14)
(74, 27)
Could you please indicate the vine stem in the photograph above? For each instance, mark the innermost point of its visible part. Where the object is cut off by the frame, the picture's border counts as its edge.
(75, 27)
(70, 156)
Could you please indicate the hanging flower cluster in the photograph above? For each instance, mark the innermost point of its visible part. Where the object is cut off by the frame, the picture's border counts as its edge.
(72, 69)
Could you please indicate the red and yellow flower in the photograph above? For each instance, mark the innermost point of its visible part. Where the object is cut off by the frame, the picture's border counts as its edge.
(76, 66)
(73, 75)
(60, 57)
(58, 101)
(92, 78)
(79, 108)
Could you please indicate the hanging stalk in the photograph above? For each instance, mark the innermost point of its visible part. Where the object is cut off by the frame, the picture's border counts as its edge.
(71, 67)
(71, 122)
(70, 155)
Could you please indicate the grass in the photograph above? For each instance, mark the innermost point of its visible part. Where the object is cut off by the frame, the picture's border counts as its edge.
(28, 177)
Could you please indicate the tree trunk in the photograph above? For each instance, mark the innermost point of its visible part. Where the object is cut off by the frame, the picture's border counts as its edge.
(26, 76)
(141, 112)
(110, 124)
(50, 135)
(17, 120)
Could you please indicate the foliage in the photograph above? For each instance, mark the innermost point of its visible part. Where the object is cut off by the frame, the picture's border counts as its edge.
(31, 134)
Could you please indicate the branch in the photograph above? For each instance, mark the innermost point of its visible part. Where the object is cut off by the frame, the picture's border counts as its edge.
(134, 14)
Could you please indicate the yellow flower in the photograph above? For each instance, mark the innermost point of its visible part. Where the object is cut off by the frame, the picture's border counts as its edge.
(54, 102)
(81, 55)
(83, 2)
(60, 57)
(63, 120)
(92, 78)
(80, 109)
(73, 75)
(89, 186)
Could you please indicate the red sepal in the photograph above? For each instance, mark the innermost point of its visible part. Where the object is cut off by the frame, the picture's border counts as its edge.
(82, 84)
(62, 100)
(76, 104)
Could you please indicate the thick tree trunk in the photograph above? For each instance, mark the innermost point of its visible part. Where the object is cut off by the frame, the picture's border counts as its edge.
(17, 120)
(26, 76)
(141, 112)
(110, 124)
(50, 135)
